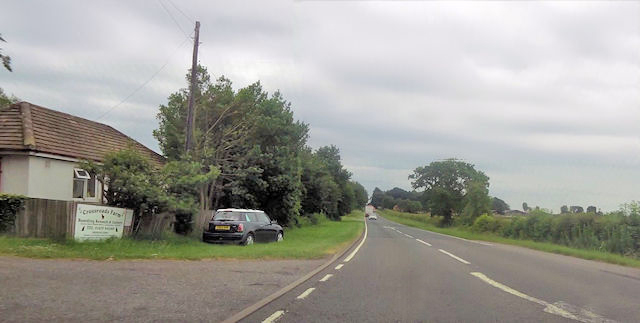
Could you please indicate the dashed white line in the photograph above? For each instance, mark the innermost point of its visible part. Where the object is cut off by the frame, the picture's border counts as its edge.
(408, 236)
(424, 242)
(305, 293)
(353, 253)
(339, 266)
(273, 317)
(463, 239)
(454, 257)
(325, 278)
(558, 308)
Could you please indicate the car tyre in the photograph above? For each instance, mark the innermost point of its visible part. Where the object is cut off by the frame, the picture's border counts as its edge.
(249, 240)
(279, 237)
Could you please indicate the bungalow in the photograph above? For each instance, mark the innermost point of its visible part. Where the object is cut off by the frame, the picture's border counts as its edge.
(40, 150)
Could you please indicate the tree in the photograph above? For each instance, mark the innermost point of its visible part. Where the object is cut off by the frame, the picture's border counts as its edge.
(388, 202)
(6, 60)
(361, 197)
(477, 201)
(592, 209)
(525, 207)
(183, 181)
(130, 181)
(7, 100)
(447, 182)
(499, 205)
(576, 209)
(564, 209)
(249, 135)
(376, 197)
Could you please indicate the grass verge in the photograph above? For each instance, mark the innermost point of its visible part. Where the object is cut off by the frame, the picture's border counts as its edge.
(410, 220)
(309, 242)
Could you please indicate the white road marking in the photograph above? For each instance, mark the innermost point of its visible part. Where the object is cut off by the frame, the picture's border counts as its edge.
(339, 266)
(325, 278)
(454, 257)
(463, 239)
(428, 244)
(353, 253)
(408, 236)
(305, 293)
(558, 308)
(273, 317)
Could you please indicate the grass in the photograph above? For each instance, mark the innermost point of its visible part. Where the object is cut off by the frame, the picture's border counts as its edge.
(308, 242)
(413, 220)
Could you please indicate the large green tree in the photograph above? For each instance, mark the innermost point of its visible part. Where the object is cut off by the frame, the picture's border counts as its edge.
(447, 182)
(249, 135)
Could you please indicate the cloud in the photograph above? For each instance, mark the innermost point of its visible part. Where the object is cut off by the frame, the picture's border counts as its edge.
(542, 96)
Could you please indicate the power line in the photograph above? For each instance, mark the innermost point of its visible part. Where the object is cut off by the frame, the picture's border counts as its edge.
(147, 81)
(172, 18)
(191, 20)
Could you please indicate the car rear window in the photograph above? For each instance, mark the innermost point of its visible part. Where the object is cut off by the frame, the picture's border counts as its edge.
(230, 216)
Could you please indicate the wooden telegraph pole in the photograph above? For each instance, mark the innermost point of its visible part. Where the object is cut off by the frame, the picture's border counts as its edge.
(194, 67)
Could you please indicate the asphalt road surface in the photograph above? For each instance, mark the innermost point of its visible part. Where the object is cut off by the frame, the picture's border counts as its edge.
(403, 274)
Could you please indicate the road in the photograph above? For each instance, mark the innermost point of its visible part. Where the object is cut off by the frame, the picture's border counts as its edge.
(404, 274)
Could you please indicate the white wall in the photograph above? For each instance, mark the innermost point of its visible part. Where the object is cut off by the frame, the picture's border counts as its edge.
(39, 177)
(50, 178)
(15, 172)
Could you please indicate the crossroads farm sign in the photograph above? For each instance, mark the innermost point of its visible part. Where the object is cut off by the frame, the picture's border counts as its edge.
(97, 222)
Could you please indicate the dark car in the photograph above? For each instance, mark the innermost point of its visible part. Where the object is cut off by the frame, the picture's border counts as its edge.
(242, 227)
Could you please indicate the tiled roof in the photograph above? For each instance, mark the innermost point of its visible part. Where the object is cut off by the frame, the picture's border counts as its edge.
(62, 134)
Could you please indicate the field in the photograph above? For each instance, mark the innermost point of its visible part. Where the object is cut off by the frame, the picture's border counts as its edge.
(423, 222)
(308, 242)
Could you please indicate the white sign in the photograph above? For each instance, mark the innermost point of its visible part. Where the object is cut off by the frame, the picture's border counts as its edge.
(97, 222)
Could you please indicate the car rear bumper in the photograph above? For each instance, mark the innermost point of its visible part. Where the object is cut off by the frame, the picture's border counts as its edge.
(215, 237)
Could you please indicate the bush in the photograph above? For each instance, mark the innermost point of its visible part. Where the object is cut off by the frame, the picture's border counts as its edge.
(9, 206)
(485, 223)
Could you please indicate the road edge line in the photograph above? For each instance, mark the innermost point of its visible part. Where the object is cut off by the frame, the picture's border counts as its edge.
(353, 253)
(265, 301)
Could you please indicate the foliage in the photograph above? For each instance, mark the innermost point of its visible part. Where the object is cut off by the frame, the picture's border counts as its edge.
(252, 137)
(447, 182)
(7, 100)
(477, 201)
(130, 181)
(564, 209)
(6, 60)
(10, 204)
(183, 181)
(360, 195)
(499, 205)
(376, 197)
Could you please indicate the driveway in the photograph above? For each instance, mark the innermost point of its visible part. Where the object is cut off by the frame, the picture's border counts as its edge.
(138, 290)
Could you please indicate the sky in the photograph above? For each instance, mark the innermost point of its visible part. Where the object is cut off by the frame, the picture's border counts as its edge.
(544, 97)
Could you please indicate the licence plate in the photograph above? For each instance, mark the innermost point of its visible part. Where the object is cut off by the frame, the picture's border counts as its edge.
(223, 227)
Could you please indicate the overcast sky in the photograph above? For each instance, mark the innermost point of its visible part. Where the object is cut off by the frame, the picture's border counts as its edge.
(542, 96)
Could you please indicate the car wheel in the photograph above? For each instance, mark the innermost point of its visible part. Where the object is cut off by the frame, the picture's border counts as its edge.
(249, 240)
(279, 237)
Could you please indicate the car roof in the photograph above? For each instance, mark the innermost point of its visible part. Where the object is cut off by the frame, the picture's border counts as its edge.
(239, 210)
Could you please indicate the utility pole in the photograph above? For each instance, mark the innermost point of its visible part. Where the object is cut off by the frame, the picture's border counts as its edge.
(194, 67)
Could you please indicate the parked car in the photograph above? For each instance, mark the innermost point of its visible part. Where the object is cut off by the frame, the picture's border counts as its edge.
(242, 227)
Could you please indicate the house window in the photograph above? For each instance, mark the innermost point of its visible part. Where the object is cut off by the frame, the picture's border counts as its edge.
(84, 184)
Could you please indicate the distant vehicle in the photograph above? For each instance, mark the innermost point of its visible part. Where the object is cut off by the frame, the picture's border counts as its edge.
(242, 227)
(373, 217)
(369, 210)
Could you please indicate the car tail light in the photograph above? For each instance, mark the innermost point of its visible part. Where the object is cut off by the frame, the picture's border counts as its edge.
(240, 227)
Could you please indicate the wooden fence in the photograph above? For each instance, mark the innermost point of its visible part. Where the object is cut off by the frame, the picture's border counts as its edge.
(41, 218)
